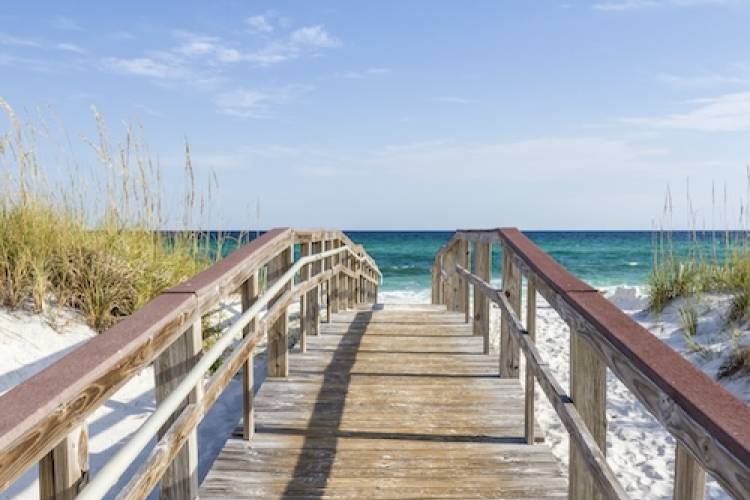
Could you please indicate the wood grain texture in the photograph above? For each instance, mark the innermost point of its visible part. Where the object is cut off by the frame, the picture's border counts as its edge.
(483, 269)
(529, 417)
(388, 402)
(588, 390)
(277, 350)
(689, 477)
(584, 441)
(249, 296)
(64, 470)
(180, 480)
(509, 354)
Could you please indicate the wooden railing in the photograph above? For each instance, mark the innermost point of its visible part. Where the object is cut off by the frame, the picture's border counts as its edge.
(711, 427)
(42, 420)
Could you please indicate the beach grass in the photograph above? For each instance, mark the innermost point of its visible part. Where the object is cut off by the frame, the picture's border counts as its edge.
(716, 262)
(94, 244)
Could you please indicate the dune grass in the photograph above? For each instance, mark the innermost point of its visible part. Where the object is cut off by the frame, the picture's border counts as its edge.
(89, 238)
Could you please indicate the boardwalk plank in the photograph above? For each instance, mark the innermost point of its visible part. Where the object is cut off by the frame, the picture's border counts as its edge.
(396, 402)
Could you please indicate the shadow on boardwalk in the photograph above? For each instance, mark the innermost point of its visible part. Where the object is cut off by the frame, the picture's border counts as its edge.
(328, 410)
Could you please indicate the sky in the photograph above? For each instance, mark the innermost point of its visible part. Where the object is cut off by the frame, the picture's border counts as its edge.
(409, 115)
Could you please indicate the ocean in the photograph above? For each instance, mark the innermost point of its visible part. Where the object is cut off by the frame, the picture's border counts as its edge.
(601, 258)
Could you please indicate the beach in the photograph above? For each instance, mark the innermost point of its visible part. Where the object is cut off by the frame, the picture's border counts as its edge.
(640, 452)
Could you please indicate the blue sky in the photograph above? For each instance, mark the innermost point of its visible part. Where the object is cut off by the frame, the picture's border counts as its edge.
(418, 114)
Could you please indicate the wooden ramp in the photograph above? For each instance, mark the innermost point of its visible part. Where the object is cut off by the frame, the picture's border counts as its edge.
(388, 402)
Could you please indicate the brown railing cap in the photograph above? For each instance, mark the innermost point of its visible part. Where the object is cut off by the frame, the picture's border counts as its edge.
(724, 416)
(40, 394)
(542, 263)
(206, 280)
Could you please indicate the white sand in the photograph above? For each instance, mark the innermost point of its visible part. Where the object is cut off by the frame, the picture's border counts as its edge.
(639, 450)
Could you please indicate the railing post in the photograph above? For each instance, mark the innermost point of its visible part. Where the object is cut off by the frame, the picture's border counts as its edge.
(304, 251)
(689, 476)
(436, 281)
(249, 296)
(64, 470)
(466, 264)
(509, 349)
(180, 481)
(482, 268)
(312, 300)
(588, 390)
(328, 245)
(334, 293)
(531, 328)
(453, 300)
(278, 333)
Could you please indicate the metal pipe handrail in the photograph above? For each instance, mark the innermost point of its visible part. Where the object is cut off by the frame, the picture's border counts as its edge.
(113, 469)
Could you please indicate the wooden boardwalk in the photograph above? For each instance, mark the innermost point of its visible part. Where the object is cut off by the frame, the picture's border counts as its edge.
(388, 402)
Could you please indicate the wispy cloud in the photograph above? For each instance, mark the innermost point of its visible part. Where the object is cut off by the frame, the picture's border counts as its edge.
(363, 74)
(160, 69)
(626, 5)
(199, 55)
(255, 103)
(14, 41)
(259, 24)
(70, 47)
(736, 74)
(724, 113)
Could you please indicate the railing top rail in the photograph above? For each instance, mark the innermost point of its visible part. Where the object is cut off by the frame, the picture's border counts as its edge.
(724, 416)
(40, 411)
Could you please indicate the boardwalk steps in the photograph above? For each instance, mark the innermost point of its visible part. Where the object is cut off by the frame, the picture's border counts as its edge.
(390, 402)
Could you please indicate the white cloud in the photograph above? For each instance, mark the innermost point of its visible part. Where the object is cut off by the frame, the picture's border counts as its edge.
(70, 47)
(624, 5)
(724, 113)
(254, 103)
(146, 66)
(11, 40)
(361, 75)
(313, 36)
(737, 73)
(259, 24)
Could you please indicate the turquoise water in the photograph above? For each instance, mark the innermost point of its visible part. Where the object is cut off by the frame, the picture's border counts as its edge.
(601, 258)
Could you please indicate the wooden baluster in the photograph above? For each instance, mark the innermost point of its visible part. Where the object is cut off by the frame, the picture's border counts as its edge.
(531, 328)
(64, 470)
(249, 296)
(335, 281)
(313, 296)
(180, 481)
(435, 282)
(328, 265)
(588, 390)
(509, 349)
(453, 301)
(278, 333)
(689, 476)
(466, 264)
(483, 269)
(304, 324)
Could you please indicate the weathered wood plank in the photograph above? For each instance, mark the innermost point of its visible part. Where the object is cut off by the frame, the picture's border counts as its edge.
(397, 402)
(529, 417)
(509, 354)
(249, 296)
(689, 477)
(180, 480)
(278, 332)
(64, 471)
